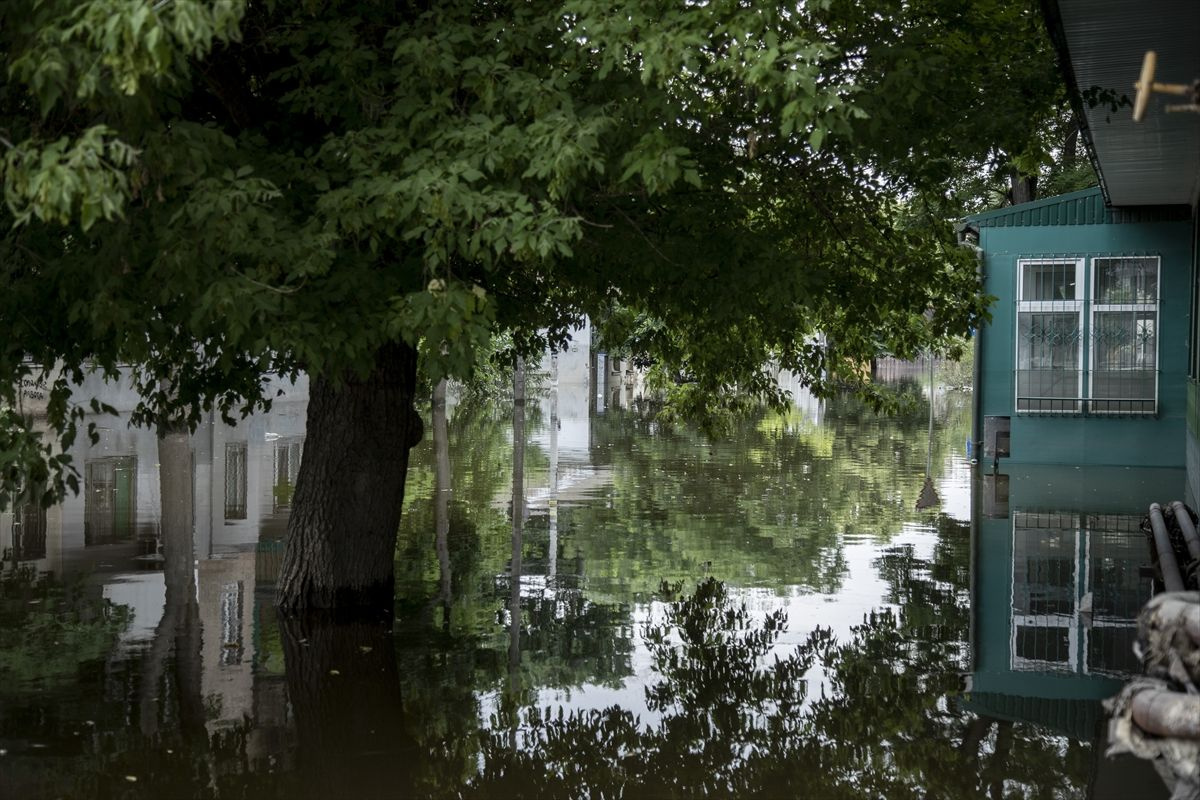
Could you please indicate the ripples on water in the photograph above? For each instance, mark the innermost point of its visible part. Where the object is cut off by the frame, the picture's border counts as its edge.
(766, 615)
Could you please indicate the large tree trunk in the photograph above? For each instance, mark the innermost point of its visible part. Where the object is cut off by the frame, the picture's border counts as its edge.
(1022, 188)
(341, 536)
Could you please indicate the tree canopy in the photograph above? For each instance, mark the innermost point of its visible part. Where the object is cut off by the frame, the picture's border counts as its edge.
(202, 192)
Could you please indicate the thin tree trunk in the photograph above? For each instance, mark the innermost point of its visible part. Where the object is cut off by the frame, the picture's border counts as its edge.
(341, 538)
(552, 555)
(1070, 151)
(179, 630)
(441, 507)
(518, 521)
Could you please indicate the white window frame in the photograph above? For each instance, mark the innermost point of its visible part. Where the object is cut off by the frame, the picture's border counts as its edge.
(1045, 306)
(1057, 622)
(1079, 528)
(1095, 306)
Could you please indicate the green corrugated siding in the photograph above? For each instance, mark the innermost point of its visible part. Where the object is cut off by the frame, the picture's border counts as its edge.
(1078, 719)
(1193, 408)
(1089, 440)
(1078, 208)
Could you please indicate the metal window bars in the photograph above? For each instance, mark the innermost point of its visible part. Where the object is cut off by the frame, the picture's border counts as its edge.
(1103, 362)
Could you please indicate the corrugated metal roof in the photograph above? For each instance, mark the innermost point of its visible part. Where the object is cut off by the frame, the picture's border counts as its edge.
(1157, 161)
(1085, 207)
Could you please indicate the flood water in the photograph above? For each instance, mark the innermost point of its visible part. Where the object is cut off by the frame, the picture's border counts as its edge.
(651, 614)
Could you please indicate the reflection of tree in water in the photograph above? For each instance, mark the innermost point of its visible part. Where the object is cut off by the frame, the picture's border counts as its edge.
(570, 641)
(54, 630)
(735, 720)
(770, 504)
(480, 461)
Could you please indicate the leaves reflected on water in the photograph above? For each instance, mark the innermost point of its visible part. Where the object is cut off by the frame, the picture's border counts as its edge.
(736, 713)
(51, 631)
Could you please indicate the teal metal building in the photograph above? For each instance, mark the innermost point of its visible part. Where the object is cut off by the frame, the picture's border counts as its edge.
(1085, 361)
(1088, 387)
(1145, 219)
(1056, 587)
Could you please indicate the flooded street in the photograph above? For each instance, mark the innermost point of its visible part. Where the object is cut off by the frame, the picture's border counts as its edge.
(649, 613)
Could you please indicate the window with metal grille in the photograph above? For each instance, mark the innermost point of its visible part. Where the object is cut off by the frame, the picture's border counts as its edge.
(1087, 350)
(1077, 587)
(1049, 336)
(235, 480)
(1124, 336)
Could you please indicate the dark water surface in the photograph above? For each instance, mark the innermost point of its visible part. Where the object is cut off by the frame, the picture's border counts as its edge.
(654, 615)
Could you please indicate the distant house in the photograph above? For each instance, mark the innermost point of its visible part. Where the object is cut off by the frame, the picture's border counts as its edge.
(1086, 357)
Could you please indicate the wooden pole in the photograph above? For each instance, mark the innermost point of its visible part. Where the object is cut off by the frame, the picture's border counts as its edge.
(1144, 85)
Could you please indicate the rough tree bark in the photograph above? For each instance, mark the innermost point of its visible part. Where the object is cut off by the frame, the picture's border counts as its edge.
(1022, 188)
(341, 537)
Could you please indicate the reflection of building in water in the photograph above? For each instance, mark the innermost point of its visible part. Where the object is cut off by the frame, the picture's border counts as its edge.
(1057, 582)
(243, 479)
(1077, 589)
(225, 593)
(1056, 586)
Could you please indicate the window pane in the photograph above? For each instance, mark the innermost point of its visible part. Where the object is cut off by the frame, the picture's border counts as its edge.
(29, 532)
(1124, 346)
(1126, 280)
(235, 480)
(1050, 644)
(1047, 360)
(1043, 569)
(1054, 281)
(1111, 650)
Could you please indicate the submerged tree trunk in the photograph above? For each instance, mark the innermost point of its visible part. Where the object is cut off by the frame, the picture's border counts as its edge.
(341, 537)
(344, 692)
(179, 630)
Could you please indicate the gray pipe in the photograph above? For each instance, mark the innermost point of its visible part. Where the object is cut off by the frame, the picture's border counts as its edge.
(1189, 530)
(977, 345)
(1167, 565)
